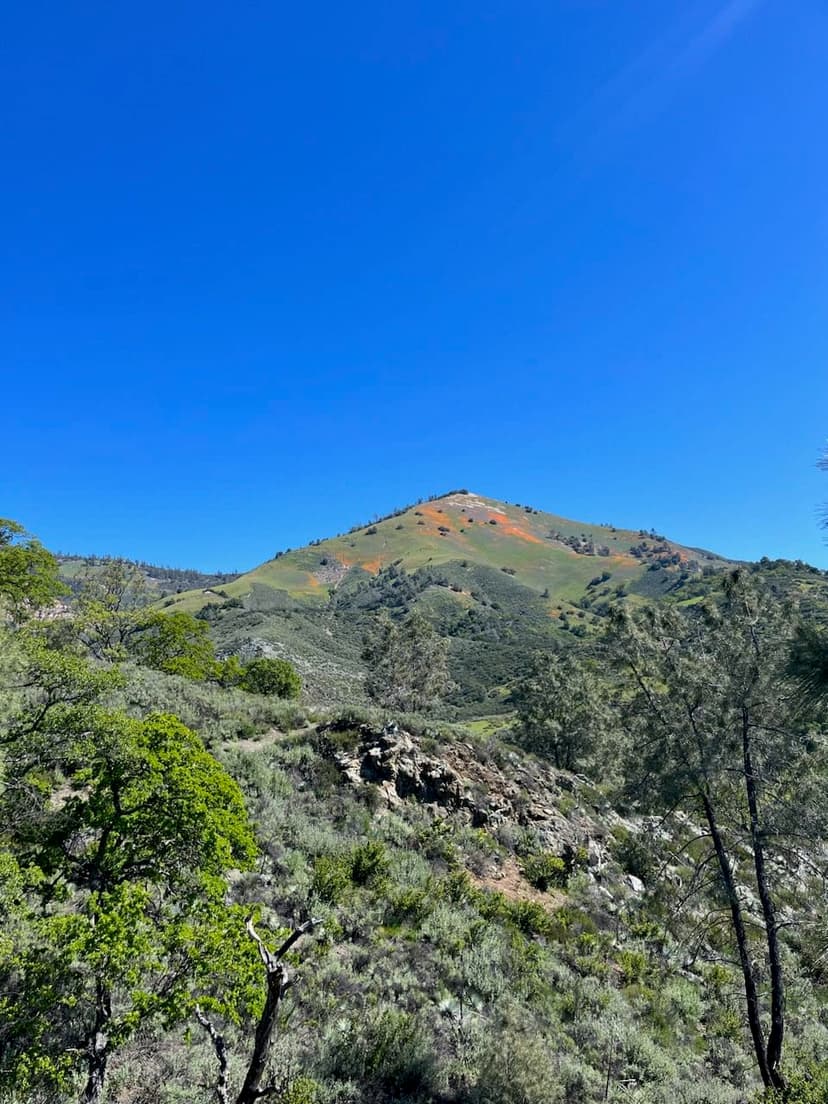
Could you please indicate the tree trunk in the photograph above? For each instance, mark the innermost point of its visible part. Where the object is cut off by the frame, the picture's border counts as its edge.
(98, 1047)
(777, 1032)
(277, 985)
(751, 995)
(251, 1089)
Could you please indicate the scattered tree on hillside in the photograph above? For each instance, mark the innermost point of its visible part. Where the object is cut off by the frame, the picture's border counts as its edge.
(715, 730)
(177, 643)
(407, 663)
(562, 711)
(111, 608)
(274, 677)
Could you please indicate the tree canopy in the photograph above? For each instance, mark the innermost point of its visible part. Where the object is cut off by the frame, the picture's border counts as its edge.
(407, 663)
(28, 573)
(716, 730)
(561, 709)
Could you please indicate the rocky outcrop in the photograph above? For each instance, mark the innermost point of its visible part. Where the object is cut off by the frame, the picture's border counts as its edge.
(462, 780)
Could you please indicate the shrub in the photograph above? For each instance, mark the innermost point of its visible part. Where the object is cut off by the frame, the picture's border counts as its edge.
(545, 871)
(274, 677)
(331, 878)
(387, 1053)
(368, 863)
(633, 854)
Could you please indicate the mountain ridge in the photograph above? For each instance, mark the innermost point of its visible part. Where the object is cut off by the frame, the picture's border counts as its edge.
(544, 550)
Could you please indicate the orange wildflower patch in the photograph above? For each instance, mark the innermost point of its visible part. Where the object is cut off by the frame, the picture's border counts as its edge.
(434, 515)
(507, 526)
(372, 565)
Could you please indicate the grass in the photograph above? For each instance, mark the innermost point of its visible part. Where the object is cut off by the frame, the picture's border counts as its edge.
(453, 529)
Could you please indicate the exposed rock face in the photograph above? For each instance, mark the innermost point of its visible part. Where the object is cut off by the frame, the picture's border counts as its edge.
(459, 779)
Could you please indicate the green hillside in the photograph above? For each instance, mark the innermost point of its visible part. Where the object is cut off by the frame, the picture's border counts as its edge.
(470, 918)
(546, 552)
(497, 579)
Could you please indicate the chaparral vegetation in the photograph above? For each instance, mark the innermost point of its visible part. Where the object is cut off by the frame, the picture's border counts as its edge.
(470, 804)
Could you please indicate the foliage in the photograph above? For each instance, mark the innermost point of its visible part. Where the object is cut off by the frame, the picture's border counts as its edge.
(545, 871)
(388, 1054)
(120, 832)
(809, 664)
(28, 573)
(179, 644)
(561, 710)
(272, 677)
(717, 730)
(406, 662)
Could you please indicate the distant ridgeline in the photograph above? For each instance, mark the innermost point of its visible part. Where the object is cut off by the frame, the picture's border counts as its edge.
(161, 581)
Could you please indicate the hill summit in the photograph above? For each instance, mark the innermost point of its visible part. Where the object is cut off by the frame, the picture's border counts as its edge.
(550, 555)
(497, 579)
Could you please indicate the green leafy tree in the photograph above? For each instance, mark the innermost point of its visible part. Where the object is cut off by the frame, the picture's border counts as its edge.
(123, 831)
(274, 677)
(407, 663)
(715, 729)
(112, 608)
(28, 573)
(562, 711)
(177, 643)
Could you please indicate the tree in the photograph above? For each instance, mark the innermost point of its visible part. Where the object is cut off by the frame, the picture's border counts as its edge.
(809, 656)
(715, 730)
(561, 709)
(28, 573)
(407, 663)
(278, 980)
(123, 831)
(177, 643)
(275, 677)
(112, 608)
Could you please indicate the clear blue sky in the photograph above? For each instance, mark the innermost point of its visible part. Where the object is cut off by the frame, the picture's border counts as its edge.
(269, 269)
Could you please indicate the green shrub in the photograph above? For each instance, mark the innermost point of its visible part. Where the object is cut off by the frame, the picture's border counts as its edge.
(545, 871)
(273, 677)
(633, 854)
(388, 1054)
(331, 878)
(633, 966)
(804, 1086)
(368, 863)
(303, 1090)
(409, 906)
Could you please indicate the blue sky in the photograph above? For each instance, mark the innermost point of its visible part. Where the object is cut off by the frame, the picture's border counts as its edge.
(268, 270)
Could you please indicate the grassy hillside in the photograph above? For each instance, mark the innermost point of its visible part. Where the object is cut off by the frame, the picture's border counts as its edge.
(547, 553)
(497, 579)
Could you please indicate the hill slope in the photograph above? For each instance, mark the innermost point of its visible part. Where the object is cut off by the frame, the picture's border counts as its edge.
(545, 552)
(498, 579)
